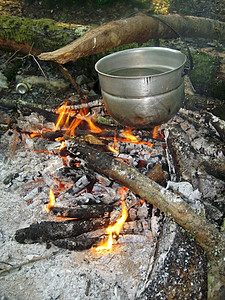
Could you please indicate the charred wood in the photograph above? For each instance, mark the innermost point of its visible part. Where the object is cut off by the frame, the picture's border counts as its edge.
(183, 155)
(78, 243)
(216, 168)
(147, 189)
(218, 124)
(156, 174)
(83, 211)
(50, 231)
(27, 109)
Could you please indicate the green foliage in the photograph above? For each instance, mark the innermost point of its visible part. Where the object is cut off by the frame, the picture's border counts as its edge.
(204, 75)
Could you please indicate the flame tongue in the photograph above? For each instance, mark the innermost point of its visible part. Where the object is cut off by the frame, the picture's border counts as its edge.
(116, 228)
(130, 138)
(65, 113)
(51, 202)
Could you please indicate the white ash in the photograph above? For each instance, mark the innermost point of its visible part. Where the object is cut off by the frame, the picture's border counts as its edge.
(65, 275)
(185, 189)
(34, 123)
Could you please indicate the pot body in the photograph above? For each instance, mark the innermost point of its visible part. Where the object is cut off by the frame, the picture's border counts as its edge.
(142, 87)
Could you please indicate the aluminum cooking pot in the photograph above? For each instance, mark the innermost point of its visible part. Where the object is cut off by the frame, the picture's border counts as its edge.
(142, 87)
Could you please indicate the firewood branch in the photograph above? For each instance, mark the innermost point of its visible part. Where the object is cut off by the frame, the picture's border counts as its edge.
(205, 234)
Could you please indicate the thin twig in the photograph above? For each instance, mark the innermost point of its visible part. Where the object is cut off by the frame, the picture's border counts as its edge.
(25, 263)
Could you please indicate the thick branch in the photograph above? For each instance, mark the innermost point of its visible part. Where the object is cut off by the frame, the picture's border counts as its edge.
(205, 233)
(139, 28)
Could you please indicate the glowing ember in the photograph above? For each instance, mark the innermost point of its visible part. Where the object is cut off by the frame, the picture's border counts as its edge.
(33, 134)
(116, 228)
(51, 202)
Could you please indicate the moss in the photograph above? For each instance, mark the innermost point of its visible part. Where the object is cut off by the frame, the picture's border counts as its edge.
(204, 75)
(44, 34)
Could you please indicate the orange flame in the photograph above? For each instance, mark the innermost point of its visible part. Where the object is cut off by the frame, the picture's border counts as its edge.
(66, 113)
(93, 127)
(62, 146)
(116, 228)
(33, 134)
(113, 149)
(51, 202)
(62, 110)
(130, 138)
(157, 133)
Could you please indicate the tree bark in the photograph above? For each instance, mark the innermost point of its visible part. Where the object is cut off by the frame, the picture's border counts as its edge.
(205, 234)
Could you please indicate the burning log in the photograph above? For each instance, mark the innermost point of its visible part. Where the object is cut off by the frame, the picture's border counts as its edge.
(51, 231)
(83, 211)
(166, 201)
(78, 244)
(205, 234)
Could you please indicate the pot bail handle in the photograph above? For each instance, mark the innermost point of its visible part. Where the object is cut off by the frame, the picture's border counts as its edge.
(187, 69)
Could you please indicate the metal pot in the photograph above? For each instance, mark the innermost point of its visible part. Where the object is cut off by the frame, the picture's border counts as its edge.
(142, 87)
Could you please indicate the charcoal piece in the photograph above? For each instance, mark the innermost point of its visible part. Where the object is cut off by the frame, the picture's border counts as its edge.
(157, 174)
(78, 243)
(215, 167)
(72, 174)
(52, 135)
(81, 184)
(50, 231)
(184, 270)
(83, 211)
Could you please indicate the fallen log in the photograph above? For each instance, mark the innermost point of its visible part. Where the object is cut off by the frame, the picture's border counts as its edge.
(205, 234)
(36, 36)
(139, 29)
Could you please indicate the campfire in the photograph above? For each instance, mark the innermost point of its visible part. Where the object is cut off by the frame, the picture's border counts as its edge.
(112, 214)
(86, 206)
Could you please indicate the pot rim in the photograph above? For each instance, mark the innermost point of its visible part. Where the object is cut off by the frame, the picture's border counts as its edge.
(140, 49)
